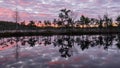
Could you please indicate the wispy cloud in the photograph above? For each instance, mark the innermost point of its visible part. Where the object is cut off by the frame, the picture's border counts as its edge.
(49, 9)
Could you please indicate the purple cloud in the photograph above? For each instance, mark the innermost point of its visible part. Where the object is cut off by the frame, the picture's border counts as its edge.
(50, 8)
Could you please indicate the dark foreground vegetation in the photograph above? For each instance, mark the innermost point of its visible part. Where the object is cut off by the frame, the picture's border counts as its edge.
(53, 31)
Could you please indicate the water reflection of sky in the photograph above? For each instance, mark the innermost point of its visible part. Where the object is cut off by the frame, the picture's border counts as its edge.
(48, 56)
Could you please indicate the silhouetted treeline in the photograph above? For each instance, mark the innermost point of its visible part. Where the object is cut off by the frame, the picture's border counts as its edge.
(66, 20)
(5, 25)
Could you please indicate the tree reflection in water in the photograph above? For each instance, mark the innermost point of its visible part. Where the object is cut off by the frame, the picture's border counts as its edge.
(65, 43)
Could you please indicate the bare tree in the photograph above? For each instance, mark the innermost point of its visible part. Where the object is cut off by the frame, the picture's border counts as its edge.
(16, 17)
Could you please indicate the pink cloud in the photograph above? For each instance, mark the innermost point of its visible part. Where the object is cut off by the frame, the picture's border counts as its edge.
(24, 2)
(5, 11)
(49, 9)
(44, 15)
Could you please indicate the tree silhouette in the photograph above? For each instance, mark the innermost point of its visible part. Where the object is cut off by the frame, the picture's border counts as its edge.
(40, 22)
(66, 18)
(16, 17)
(82, 20)
(87, 21)
(107, 20)
(118, 20)
(23, 23)
(31, 24)
(100, 22)
(47, 23)
(92, 21)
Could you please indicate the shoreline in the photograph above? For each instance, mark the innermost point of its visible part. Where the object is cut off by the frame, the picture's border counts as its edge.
(55, 32)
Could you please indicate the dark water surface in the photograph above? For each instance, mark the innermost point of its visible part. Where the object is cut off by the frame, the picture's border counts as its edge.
(61, 51)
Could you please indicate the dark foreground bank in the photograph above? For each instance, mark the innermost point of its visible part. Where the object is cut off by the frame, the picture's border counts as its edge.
(59, 32)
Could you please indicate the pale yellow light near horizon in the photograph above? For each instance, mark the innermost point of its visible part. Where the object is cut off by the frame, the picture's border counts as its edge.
(55, 25)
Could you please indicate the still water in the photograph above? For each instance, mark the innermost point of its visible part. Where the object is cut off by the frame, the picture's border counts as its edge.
(60, 51)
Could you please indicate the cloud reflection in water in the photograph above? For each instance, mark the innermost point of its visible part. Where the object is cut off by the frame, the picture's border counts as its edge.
(61, 51)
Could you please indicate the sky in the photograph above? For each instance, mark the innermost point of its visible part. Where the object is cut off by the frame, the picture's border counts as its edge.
(49, 9)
